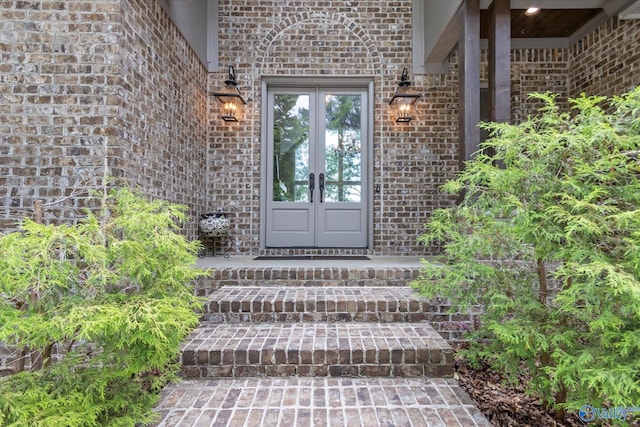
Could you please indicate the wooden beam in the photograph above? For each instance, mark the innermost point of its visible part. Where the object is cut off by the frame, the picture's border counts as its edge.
(469, 79)
(500, 61)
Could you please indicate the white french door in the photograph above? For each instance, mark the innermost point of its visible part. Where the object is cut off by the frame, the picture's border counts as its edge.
(317, 151)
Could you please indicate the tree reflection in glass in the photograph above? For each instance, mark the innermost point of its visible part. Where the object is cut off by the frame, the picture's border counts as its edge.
(343, 148)
(290, 148)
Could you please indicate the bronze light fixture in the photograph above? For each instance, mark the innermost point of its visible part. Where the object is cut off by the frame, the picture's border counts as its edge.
(404, 99)
(230, 99)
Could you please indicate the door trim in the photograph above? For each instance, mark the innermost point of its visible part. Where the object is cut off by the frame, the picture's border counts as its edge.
(359, 82)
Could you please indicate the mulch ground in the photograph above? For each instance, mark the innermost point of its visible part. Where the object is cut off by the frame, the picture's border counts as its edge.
(507, 405)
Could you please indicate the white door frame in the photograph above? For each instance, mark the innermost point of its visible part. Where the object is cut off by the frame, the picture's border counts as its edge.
(322, 82)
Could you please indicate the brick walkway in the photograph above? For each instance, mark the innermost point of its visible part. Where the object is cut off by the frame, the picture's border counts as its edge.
(270, 352)
(318, 402)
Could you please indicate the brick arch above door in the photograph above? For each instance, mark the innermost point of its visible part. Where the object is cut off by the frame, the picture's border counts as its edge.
(288, 47)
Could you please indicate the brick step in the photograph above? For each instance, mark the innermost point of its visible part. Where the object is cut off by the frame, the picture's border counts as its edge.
(297, 401)
(316, 349)
(320, 276)
(232, 304)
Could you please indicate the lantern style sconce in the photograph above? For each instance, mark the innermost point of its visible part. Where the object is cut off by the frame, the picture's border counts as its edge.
(230, 99)
(404, 99)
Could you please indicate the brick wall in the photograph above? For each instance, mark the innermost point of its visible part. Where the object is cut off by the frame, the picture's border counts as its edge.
(96, 88)
(162, 145)
(537, 70)
(351, 38)
(58, 103)
(607, 61)
(333, 38)
(89, 88)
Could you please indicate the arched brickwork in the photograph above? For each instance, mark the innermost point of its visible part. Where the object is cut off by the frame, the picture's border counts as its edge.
(305, 42)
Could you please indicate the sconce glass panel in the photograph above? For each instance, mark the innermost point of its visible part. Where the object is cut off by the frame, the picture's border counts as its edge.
(230, 99)
(404, 99)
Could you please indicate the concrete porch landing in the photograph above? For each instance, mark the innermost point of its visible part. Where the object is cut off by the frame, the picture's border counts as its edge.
(316, 342)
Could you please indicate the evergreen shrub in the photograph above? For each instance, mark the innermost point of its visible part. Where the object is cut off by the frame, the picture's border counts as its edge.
(113, 296)
(547, 239)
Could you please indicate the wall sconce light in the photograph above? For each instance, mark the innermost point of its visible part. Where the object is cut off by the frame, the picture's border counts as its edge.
(404, 99)
(230, 99)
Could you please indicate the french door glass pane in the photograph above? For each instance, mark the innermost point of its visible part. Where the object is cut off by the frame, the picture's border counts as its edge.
(343, 148)
(290, 148)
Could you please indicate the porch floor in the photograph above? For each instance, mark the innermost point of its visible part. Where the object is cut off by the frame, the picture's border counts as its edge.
(374, 261)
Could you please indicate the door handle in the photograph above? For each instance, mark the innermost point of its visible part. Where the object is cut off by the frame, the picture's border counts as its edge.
(321, 186)
(312, 185)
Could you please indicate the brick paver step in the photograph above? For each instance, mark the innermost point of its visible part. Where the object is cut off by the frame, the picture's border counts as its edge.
(316, 344)
(319, 402)
(316, 304)
(316, 349)
(365, 275)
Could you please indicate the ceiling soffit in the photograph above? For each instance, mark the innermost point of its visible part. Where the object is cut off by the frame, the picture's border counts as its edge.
(559, 24)
(548, 23)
